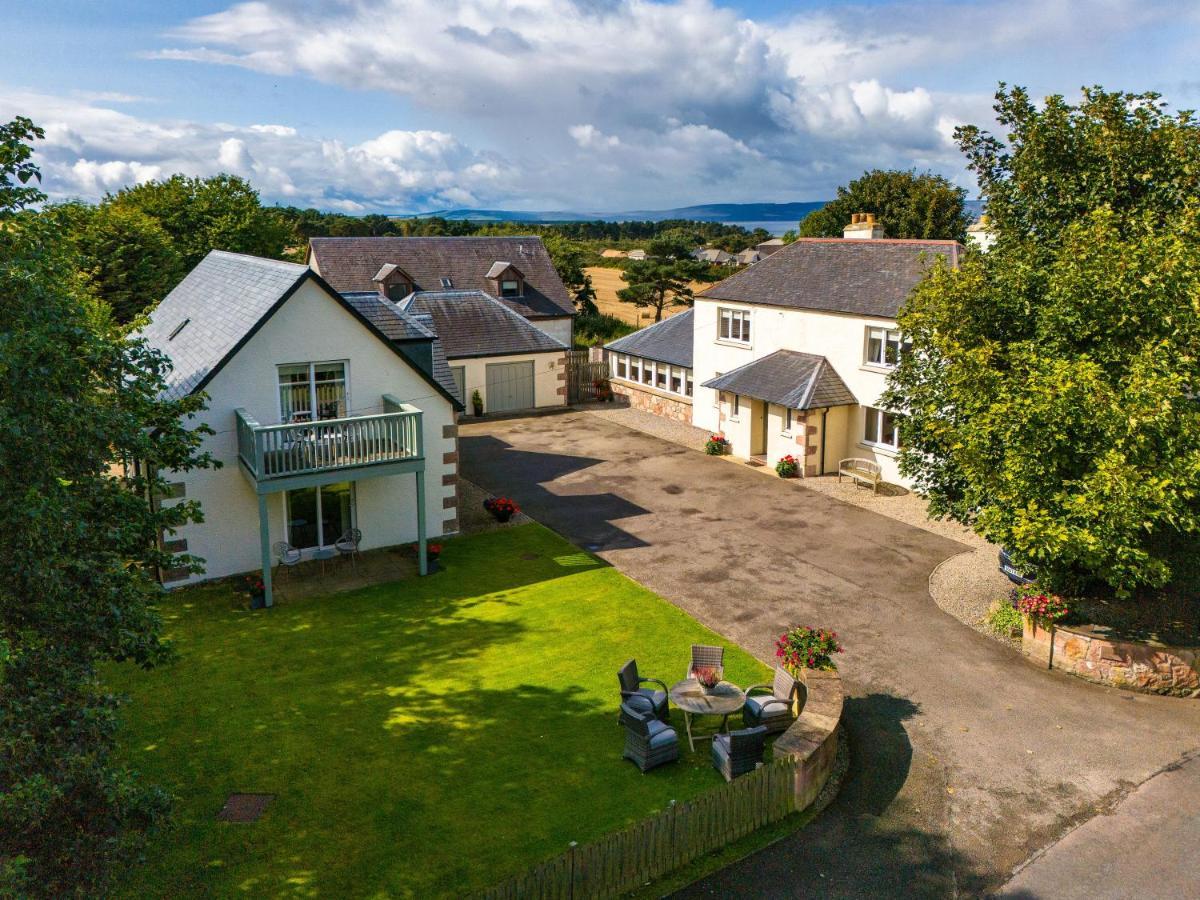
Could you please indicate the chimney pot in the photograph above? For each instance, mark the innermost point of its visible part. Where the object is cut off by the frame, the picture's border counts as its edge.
(863, 225)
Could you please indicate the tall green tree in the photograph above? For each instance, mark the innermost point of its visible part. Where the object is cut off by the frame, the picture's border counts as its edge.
(202, 214)
(79, 403)
(664, 278)
(1051, 395)
(907, 204)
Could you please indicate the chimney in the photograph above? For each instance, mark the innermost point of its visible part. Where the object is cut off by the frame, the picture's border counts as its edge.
(863, 227)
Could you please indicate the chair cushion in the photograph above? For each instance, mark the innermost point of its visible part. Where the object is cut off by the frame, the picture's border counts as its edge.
(661, 735)
(658, 698)
(766, 707)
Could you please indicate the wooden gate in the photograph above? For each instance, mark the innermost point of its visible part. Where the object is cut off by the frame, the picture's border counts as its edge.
(584, 376)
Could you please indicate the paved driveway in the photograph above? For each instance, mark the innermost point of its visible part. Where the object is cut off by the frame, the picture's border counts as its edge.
(965, 759)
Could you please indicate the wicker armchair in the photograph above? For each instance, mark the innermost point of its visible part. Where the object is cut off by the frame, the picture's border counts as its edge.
(738, 752)
(706, 656)
(347, 544)
(640, 697)
(648, 742)
(773, 710)
(287, 555)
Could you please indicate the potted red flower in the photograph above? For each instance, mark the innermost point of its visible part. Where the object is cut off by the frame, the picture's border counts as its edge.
(257, 590)
(716, 445)
(501, 508)
(432, 551)
(708, 677)
(802, 648)
(787, 467)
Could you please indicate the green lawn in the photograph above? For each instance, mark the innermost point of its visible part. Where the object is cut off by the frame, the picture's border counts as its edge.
(423, 737)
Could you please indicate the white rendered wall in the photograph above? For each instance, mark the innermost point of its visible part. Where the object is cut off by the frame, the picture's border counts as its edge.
(839, 338)
(547, 369)
(559, 329)
(312, 327)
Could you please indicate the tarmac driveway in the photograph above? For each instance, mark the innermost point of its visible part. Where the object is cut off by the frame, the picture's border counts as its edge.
(965, 759)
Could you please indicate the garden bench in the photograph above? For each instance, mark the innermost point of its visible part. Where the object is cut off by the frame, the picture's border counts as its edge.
(862, 471)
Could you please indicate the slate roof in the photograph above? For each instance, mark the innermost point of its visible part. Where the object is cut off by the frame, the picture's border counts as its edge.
(787, 378)
(399, 326)
(474, 323)
(224, 299)
(668, 341)
(349, 263)
(861, 277)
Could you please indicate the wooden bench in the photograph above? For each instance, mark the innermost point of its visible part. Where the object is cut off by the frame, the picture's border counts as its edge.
(863, 471)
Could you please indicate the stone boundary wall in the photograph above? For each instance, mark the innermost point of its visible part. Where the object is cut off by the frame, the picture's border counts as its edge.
(653, 402)
(812, 739)
(1152, 668)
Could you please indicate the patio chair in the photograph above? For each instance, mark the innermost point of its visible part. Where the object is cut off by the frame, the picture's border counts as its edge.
(287, 555)
(648, 742)
(774, 710)
(640, 697)
(738, 752)
(347, 545)
(706, 656)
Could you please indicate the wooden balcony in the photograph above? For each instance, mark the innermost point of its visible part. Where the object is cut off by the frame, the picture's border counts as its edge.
(283, 457)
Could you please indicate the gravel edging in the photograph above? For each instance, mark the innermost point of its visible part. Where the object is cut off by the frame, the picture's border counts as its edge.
(473, 518)
(967, 584)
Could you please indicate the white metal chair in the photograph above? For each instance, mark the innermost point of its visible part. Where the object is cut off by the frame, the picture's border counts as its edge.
(347, 545)
(287, 555)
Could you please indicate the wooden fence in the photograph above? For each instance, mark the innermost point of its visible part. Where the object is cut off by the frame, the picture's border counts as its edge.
(627, 859)
(583, 374)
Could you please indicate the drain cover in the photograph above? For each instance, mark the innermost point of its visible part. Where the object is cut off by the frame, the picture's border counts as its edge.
(245, 807)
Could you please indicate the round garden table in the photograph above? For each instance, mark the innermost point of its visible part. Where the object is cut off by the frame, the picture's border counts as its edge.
(721, 700)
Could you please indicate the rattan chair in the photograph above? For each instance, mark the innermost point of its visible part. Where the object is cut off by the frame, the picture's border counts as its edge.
(640, 697)
(773, 710)
(347, 545)
(706, 656)
(287, 555)
(648, 742)
(738, 752)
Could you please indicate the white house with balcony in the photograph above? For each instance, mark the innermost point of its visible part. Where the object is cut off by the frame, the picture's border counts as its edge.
(330, 413)
(791, 355)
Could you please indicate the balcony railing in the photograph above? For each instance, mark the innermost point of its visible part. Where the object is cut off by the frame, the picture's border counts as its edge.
(301, 448)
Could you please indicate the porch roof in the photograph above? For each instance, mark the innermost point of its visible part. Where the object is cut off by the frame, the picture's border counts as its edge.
(787, 378)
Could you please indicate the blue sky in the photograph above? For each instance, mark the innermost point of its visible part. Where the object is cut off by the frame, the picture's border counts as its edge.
(603, 105)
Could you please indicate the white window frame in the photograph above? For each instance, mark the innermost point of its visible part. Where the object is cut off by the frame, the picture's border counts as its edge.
(312, 383)
(516, 287)
(621, 366)
(635, 363)
(874, 437)
(688, 386)
(787, 421)
(287, 515)
(889, 339)
(735, 408)
(727, 317)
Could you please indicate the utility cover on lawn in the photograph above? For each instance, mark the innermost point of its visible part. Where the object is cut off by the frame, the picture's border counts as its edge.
(245, 807)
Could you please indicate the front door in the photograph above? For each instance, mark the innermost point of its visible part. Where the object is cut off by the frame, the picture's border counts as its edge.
(758, 428)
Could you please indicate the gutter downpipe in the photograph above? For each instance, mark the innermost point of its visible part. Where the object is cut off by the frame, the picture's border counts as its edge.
(824, 416)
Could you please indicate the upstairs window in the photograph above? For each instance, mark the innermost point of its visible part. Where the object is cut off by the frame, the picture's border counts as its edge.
(734, 325)
(398, 290)
(510, 288)
(309, 391)
(885, 346)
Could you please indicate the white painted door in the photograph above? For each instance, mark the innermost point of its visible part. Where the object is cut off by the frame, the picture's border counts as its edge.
(509, 387)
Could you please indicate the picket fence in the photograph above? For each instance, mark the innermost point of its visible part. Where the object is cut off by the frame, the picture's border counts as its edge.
(627, 859)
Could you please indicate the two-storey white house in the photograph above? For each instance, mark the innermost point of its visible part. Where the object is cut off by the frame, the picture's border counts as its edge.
(791, 355)
(330, 413)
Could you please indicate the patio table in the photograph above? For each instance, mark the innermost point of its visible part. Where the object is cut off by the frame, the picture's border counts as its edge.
(324, 553)
(722, 700)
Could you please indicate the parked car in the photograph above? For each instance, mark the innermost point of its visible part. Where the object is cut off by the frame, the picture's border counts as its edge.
(1012, 573)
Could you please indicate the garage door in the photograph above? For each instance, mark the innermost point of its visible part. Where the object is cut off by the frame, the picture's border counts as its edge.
(509, 386)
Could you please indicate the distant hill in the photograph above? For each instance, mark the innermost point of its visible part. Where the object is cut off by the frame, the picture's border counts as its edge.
(708, 212)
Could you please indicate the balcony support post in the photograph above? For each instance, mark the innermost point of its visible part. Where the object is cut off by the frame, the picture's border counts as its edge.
(422, 557)
(264, 536)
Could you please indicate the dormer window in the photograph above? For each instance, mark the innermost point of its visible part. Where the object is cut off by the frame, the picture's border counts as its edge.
(506, 280)
(393, 282)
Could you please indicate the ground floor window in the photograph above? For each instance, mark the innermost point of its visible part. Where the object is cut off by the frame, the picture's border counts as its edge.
(664, 377)
(318, 516)
(882, 428)
(787, 420)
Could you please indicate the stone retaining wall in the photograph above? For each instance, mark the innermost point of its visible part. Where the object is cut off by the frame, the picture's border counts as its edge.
(654, 402)
(812, 738)
(1099, 657)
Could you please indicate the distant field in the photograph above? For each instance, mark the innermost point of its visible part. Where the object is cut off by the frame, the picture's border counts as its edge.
(608, 281)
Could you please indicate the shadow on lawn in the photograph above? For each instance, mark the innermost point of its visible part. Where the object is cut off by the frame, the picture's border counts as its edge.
(587, 519)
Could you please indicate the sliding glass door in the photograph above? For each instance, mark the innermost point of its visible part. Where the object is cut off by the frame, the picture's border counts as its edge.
(317, 517)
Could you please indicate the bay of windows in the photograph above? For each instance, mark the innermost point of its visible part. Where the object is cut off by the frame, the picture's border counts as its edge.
(734, 325)
(882, 428)
(661, 376)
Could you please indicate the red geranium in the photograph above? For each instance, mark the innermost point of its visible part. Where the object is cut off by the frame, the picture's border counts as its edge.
(1047, 607)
